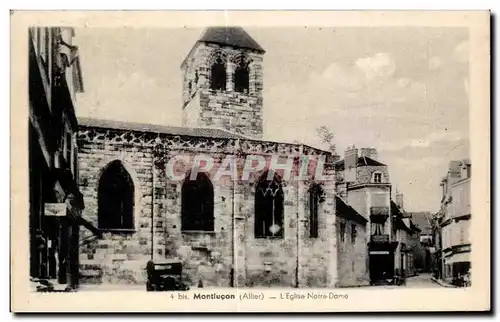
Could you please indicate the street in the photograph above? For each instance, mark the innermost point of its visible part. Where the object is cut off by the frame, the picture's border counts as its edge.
(420, 281)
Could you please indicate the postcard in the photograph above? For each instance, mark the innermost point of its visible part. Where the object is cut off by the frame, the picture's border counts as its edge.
(250, 161)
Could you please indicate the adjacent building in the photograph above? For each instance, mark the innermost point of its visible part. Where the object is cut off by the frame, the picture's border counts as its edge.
(407, 236)
(425, 250)
(55, 200)
(454, 221)
(363, 182)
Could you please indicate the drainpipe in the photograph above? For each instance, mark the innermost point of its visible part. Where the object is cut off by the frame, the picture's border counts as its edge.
(297, 270)
(235, 242)
(153, 204)
(298, 238)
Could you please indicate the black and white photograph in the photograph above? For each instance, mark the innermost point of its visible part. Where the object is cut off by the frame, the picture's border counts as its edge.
(196, 161)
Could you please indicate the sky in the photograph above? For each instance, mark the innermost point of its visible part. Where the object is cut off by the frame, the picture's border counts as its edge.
(401, 90)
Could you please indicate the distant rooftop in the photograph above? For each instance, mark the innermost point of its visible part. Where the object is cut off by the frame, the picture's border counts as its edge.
(362, 161)
(423, 221)
(455, 165)
(232, 36)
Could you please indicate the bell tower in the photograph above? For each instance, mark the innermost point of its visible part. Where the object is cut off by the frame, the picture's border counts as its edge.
(223, 83)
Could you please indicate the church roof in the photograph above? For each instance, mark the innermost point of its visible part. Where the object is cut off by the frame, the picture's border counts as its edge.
(172, 130)
(232, 36)
(167, 129)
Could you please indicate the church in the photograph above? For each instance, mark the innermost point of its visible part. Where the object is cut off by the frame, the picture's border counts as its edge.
(226, 233)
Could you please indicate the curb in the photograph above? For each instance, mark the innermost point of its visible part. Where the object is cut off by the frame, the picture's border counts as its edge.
(440, 282)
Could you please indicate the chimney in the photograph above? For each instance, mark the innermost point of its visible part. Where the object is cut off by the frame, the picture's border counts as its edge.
(351, 157)
(399, 200)
(350, 164)
(465, 169)
(369, 153)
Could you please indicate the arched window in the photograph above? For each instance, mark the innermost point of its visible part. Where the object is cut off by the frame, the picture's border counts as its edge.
(197, 210)
(269, 207)
(241, 78)
(218, 75)
(115, 198)
(315, 198)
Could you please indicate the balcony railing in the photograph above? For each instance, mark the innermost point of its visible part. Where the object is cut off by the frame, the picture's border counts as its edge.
(380, 239)
(379, 211)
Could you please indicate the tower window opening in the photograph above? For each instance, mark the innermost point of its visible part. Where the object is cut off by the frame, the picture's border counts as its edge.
(218, 77)
(241, 78)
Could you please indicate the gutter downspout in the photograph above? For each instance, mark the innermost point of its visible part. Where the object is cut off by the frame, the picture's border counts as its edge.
(298, 240)
(297, 269)
(153, 205)
(157, 150)
(233, 210)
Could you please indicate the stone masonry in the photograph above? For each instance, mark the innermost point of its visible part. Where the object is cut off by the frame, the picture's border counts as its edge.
(226, 109)
(230, 255)
(210, 258)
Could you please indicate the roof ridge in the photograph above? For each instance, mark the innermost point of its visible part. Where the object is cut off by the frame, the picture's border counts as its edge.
(234, 36)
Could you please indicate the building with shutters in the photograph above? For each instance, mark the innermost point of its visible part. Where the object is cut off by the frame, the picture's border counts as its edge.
(454, 221)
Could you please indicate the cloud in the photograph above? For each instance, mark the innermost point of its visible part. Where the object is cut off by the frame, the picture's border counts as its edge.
(380, 65)
(436, 137)
(345, 77)
(366, 83)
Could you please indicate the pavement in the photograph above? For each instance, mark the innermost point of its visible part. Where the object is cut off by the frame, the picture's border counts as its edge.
(418, 281)
(422, 280)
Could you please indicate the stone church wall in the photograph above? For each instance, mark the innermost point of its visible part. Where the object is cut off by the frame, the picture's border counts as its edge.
(210, 259)
(118, 256)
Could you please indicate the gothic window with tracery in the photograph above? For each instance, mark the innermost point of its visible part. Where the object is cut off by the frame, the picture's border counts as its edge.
(269, 199)
(197, 210)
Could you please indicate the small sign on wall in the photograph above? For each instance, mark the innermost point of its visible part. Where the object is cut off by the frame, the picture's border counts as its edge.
(55, 209)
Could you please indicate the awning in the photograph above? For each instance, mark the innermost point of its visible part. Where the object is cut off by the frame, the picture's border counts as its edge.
(458, 257)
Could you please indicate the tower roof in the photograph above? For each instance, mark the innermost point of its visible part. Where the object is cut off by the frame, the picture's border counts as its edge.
(232, 36)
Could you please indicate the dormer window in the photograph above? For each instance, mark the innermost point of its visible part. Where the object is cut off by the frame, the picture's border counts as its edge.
(377, 177)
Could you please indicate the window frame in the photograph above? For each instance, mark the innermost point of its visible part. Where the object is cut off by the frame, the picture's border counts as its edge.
(242, 75)
(377, 177)
(354, 233)
(129, 215)
(261, 213)
(342, 231)
(220, 85)
(315, 199)
(201, 186)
